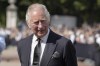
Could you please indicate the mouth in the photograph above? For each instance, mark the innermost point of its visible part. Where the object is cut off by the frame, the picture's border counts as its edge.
(40, 31)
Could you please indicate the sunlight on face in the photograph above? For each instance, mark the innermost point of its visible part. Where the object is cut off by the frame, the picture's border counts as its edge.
(38, 23)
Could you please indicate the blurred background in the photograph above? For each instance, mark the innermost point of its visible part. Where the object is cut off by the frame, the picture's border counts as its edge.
(78, 20)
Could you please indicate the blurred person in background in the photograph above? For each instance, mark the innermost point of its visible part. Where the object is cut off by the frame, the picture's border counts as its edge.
(2, 43)
(56, 50)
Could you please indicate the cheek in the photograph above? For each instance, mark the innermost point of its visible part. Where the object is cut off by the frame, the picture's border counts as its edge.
(47, 26)
(33, 28)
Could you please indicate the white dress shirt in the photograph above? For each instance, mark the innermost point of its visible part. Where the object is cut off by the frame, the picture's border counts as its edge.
(34, 43)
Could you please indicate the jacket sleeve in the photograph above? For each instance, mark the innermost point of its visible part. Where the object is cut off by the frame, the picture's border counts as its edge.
(18, 50)
(70, 54)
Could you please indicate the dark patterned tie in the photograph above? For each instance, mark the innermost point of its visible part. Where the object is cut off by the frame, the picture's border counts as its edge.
(37, 53)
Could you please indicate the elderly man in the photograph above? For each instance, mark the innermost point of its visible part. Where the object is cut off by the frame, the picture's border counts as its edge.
(44, 47)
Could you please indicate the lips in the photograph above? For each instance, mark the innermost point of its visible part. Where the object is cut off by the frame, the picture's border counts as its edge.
(40, 31)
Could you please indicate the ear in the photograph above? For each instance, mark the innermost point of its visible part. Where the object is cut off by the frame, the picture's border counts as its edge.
(29, 27)
(28, 24)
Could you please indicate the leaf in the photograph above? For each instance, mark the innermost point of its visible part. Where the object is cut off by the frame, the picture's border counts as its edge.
(62, 1)
(79, 6)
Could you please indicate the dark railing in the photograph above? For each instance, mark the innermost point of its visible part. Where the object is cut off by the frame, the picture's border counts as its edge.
(86, 51)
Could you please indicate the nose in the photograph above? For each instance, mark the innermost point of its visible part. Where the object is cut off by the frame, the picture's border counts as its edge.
(40, 25)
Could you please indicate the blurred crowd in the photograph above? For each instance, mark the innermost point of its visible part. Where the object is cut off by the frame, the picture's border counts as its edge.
(84, 35)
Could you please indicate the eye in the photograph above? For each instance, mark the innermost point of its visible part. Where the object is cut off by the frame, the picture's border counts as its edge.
(43, 21)
(36, 23)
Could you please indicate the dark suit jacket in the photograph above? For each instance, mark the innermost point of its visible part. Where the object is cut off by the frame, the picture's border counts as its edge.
(59, 51)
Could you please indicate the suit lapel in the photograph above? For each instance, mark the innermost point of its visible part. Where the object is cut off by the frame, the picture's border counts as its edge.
(49, 49)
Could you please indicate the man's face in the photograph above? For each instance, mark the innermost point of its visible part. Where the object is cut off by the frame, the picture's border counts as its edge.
(38, 23)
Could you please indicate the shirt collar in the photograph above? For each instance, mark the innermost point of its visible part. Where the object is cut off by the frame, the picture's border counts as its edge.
(44, 38)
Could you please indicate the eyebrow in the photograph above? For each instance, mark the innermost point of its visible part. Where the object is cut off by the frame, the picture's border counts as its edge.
(38, 20)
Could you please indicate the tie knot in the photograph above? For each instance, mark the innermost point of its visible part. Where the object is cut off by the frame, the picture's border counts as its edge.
(38, 39)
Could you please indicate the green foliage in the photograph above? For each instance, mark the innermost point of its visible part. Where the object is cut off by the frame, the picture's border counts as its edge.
(81, 8)
(98, 3)
(63, 1)
(2, 20)
(79, 5)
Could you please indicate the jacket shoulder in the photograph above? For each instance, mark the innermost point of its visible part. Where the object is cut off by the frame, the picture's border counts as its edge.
(25, 40)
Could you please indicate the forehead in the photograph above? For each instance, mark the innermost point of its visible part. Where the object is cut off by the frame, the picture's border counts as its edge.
(38, 14)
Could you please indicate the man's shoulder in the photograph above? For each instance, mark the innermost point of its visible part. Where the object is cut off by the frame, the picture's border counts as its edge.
(60, 37)
(24, 40)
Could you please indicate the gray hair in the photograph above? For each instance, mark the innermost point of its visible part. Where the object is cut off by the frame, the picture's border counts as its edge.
(33, 7)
